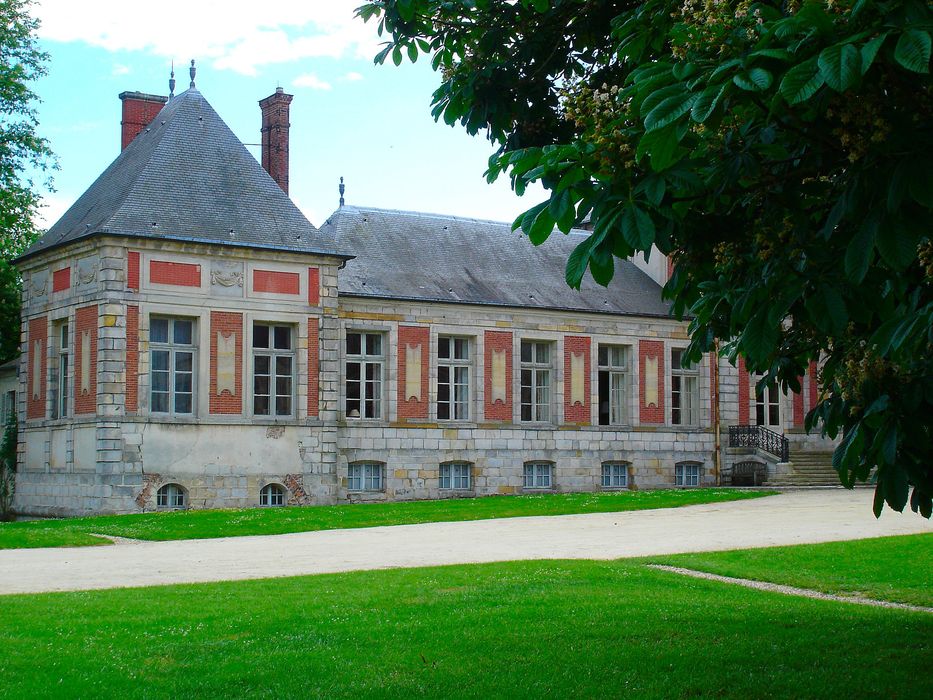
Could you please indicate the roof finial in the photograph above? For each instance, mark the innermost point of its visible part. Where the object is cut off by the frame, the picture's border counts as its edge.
(342, 190)
(191, 72)
(171, 82)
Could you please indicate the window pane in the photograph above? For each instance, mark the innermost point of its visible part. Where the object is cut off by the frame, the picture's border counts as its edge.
(182, 403)
(354, 343)
(282, 337)
(160, 381)
(183, 361)
(526, 351)
(261, 364)
(183, 383)
(283, 405)
(183, 332)
(261, 405)
(160, 360)
(158, 330)
(543, 353)
(261, 385)
(283, 365)
(461, 349)
(443, 348)
(603, 355)
(675, 359)
(260, 336)
(373, 344)
(159, 403)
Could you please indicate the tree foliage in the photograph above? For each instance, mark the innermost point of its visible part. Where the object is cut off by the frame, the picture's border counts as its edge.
(780, 152)
(21, 64)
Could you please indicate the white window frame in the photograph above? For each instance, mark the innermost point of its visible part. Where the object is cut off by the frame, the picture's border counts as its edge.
(767, 403)
(174, 350)
(60, 381)
(459, 377)
(272, 495)
(365, 477)
(535, 376)
(615, 475)
(171, 497)
(687, 474)
(538, 475)
(275, 354)
(455, 476)
(685, 386)
(370, 394)
(617, 371)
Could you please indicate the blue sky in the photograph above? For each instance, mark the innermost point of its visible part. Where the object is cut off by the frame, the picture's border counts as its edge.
(370, 124)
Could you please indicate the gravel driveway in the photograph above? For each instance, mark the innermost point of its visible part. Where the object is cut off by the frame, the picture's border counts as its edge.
(792, 517)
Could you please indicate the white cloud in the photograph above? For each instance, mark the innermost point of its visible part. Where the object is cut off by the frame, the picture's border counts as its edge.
(231, 34)
(310, 80)
(353, 75)
(52, 208)
(119, 69)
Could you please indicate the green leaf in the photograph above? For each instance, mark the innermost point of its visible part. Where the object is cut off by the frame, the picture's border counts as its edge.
(913, 50)
(753, 80)
(841, 66)
(397, 55)
(859, 250)
(801, 82)
(760, 336)
(870, 50)
(577, 262)
(637, 227)
(668, 111)
(706, 103)
(897, 246)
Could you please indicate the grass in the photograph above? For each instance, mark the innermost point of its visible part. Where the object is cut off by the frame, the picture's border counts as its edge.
(519, 629)
(196, 524)
(887, 568)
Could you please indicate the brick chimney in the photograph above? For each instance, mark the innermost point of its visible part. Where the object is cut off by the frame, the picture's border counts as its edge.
(275, 136)
(139, 109)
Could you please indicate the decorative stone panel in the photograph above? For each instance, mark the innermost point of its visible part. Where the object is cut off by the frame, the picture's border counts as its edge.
(497, 365)
(226, 278)
(38, 337)
(577, 402)
(226, 363)
(85, 367)
(413, 358)
(651, 381)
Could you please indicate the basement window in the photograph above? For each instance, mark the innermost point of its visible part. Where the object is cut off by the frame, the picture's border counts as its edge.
(171, 496)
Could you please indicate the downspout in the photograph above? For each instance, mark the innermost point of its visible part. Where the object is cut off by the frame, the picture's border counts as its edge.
(714, 390)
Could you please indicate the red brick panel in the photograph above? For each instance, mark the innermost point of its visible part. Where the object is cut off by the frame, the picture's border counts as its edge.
(647, 350)
(411, 336)
(314, 352)
(798, 405)
(314, 286)
(576, 412)
(132, 271)
(744, 393)
(276, 282)
(227, 324)
(500, 341)
(814, 385)
(37, 335)
(61, 279)
(174, 273)
(85, 322)
(132, 358)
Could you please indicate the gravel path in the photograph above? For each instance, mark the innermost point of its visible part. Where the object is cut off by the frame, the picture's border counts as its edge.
(789, 590)
(793, 517)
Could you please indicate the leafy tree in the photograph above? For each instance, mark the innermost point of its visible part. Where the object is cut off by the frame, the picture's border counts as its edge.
(21, 64)
(8, 467)
(780, 152)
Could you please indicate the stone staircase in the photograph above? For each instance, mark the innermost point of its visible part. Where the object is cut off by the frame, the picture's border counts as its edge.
(808, 469)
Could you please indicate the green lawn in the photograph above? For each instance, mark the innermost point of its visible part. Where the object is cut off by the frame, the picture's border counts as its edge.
(195, 524)
(521, 629)
(899, 569)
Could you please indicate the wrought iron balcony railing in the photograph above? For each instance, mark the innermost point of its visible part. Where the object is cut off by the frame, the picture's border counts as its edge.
(760, 437)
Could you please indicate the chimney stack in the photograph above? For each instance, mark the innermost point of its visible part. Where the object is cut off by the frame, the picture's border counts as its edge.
(275, 136)
(139, 109)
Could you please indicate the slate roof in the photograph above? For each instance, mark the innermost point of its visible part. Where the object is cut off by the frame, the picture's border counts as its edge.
(415, 256)
(188, 177)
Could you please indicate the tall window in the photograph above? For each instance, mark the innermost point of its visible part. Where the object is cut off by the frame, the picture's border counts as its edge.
(687, 474)
(365, 476)
(7, 407)
(453, 378)
(536, 381)
(273, 369)
(613, 370)
(60, 368)
(363, 373)
(615, 475)
(171, 365)
(455, 475)
(767, 405)
(684, 391)
(538, 475)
